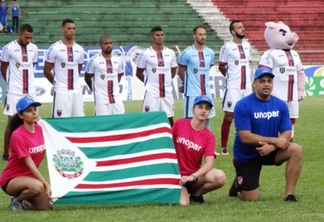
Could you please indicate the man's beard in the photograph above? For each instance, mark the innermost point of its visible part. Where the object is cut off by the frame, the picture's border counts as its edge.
(239, 36)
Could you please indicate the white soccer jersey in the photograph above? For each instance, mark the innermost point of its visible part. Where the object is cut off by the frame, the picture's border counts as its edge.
(284, 64)
(20, 72)
(158, 77)
(66, 61)
(105, 79)
(237, 57)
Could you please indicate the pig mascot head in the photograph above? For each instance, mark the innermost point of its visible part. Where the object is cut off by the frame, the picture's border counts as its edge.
(279, 36)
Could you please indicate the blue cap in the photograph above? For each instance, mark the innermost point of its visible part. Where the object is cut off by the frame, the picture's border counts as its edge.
(26, 102)
(203, 98)
(262, 71)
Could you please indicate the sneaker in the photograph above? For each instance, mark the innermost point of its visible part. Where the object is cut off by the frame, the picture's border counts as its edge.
(217, 154)
(27, 205)
(5, 157)
(16, 205)
(197, 199)
(291, 198)
(225, 152)
(233, 190)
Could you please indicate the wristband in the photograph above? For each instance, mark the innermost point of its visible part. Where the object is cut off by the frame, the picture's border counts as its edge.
(194, 176)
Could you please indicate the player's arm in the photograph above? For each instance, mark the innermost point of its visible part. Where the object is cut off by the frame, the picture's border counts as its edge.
(48, 71)
(173, 71)
(80, 67)
(120, 75)
(181, 71)
(4, 67)
(140, 74)
(88, 79)
(253, 139)
(222, 67)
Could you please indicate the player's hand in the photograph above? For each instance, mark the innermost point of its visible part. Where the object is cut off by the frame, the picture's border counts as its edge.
(181, 87)
(186, 179)
(265, 148)
(282, 143)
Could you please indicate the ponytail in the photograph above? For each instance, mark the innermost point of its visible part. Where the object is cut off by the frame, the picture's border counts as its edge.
(14, 123)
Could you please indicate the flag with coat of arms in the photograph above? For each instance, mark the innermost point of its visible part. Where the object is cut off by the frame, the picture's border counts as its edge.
(117, 159)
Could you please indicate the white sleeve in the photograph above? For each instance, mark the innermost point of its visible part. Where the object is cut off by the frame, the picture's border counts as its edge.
(141, 62)
(223, 54)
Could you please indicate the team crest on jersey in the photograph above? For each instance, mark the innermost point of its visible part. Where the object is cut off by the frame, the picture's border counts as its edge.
(59, 112)
(17, 65)
(102, 76)
(7, 107)
(229, 104)
(282, 70)
(67, 164)
(195, 70)
(236, 62)
(63, 64)
(147, 108)
(153, 70)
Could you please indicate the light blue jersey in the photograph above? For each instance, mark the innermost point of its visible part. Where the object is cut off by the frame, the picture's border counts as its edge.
(197, 63)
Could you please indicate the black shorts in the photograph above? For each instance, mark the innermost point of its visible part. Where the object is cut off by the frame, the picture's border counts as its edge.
(190, 185)
(4, 187)
(248, 173)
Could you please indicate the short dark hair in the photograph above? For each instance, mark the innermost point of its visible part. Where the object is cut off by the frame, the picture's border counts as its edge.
(197, 27)
(156, 29)
(67, 21)
(26, 27)
(231, 26)
(104, 37)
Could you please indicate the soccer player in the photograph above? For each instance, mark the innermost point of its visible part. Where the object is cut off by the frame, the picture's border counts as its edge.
(65, 58)
(259, 118)
(106, 71)
(234, 63)
(193, 141)
(17, 67)
(160, 65)
(194, 65)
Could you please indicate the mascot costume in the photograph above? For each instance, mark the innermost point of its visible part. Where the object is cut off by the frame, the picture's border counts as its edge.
(289, 81)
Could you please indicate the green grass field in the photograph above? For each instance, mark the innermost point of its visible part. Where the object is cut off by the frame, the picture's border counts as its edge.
(218, 206)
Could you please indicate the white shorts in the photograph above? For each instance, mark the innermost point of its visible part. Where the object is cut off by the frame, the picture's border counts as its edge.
(293, 107)
(165, 104)
(110, 109)
(11, 101)
(188, 105)
(232, 96)
(67, 104)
